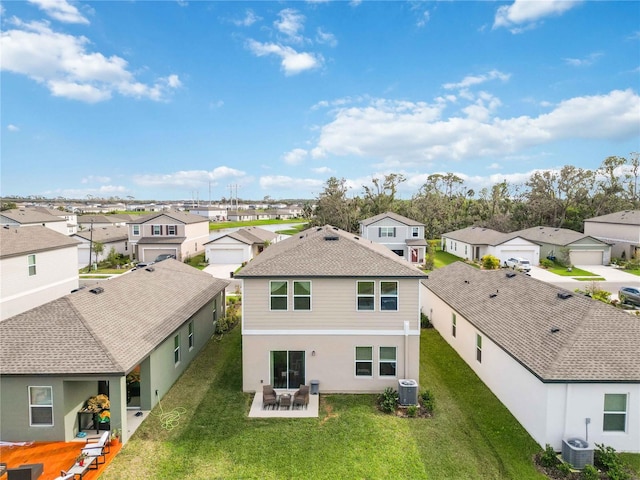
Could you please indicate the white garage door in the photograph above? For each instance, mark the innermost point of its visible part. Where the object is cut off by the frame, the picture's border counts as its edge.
(586, 257)
(226, 255)
(526, 254)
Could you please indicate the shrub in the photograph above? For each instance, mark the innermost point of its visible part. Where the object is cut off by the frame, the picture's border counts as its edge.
(546, 263)
(607, 459)
(428, 401)
(489, 262)
(564, 468)
(412, 411)
(424, 321)
(589, 472)
(388, 400)
(549, 458)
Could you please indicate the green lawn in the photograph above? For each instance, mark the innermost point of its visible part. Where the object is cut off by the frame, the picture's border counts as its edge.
(442, 259)
(471, 436)
(221, 225)
(575, 272)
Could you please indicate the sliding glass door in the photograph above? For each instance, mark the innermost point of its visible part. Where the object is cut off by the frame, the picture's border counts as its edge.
(287, 369)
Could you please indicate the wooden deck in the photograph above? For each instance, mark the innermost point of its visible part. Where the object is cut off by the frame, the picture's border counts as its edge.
(55, 456)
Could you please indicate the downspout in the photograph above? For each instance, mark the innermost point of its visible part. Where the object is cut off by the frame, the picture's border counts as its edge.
(406, 347)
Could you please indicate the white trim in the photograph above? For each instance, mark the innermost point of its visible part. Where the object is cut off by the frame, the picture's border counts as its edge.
(32, 405)
(358, 333)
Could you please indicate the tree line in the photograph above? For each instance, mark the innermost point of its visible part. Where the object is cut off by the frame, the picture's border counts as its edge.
(563, 198)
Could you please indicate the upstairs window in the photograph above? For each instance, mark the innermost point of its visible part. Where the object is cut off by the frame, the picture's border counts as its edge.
(156, 229)
(172, 230)
(366, 295)
(388, 295)
(31, 261)
(302, 295)
(615, 412)
(278, 292)
(386, 232)
(415, 232)
(41, 406)
(135, 230)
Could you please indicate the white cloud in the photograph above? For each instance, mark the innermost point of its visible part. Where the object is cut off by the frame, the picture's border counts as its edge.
(523, 14)
(323, 170)
(62, 63)
(410, 134)
(283, 182)
(423, 19)
(472, 80)
(292, 62)
(494, 166)
(249, 19)
(291, 23)
(189, 178)
(61, 10)
(103, 191)
(95, 179)
(583, 62)
(13, 128)
(295, 156)
(326, 38)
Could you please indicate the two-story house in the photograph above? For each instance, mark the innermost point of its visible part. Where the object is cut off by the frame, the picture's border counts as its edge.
(23, 217)
(621, 230)
(401, 235)
(176, 233)
(38, 265)
(329, 306)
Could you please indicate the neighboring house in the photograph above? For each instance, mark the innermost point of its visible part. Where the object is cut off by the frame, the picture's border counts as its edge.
(330, 306)
(38, 265)
(564, 364)
(239, 246)
(110, 237)
(175, 233)
(473, 243)
(582, 249)
(151, 321)
(401, 235)
(250, 215)
(70, 217)
(85, 222)
(30, 217)
(211, 213)
(621, 230)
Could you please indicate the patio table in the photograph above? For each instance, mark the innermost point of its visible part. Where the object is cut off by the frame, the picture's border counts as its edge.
(79, 470)
(285, 400)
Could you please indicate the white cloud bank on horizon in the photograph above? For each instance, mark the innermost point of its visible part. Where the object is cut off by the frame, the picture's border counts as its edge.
(190, 178)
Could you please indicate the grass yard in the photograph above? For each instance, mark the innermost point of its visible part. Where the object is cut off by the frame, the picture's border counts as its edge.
(575, 272)
(442, 259)
(253, 223)
(471, 436)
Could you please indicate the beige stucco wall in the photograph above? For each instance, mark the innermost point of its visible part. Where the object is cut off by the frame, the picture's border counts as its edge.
(622, 237)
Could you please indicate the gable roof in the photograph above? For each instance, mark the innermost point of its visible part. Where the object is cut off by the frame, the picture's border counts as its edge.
(624, 217)
(480, 236)
(109, 219)
(25, 217)
(328, 252)
(181, 217)
(394, 216)
(112, 233)
(595, 342)
(15, 241)
(108, 332)
(249, 236)
(555, 236)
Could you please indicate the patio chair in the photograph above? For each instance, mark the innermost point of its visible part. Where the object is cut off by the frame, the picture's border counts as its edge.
(301, 397)
(99, 448)
(269, 396)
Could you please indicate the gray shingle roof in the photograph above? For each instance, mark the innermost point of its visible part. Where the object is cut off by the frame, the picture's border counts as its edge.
(551, 235)
(109, 332)
(480, 236)
(25, 217)
(181, 217)
(24, 240)
(249, 236)
(394, 216)
(328, 252)
(595, 342)
(624, 217)
(112, 233)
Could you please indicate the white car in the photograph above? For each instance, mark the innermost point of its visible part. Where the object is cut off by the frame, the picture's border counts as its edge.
(518, 263)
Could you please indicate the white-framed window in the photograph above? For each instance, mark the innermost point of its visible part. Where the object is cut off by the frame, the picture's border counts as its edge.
(615, 412)
(388, 295)
(479, 347)
(454, 324)
(135, 230)
(214, 313)
(364, 361)
(41, 406)
(302, 295)
(191, 338)
(172, 230)
(31, 262)
(387, 361)
(278, 290)
(386, 232)
(176, 350)
(366, 295)
(415, 232)
(465, 249)
(156, 229)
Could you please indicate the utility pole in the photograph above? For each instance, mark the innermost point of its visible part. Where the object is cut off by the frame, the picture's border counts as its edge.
(90, 243)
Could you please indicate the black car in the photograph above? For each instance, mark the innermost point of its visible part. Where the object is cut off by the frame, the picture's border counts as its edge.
(629, 295)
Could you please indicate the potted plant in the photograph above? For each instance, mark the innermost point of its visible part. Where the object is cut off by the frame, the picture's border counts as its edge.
(80, 459)
(115, 436)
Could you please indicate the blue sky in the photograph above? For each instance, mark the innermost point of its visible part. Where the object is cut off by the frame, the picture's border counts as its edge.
(176, 99)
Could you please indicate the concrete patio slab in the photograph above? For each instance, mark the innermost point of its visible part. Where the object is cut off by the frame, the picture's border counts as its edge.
(310, 412)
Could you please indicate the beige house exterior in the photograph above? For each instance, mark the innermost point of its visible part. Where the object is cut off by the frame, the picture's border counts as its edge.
(620, 229)
(22, 217)
(176, 233)
(331, 307)
(37, 265)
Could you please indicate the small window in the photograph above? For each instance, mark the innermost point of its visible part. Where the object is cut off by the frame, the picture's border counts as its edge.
(41, 406)
(135, 230)
(176, 349)
(366, 296)
(387, 232)
(302, 295)
(478, 348)
(615, 412)
(364, 361)
(415, 232)
(278, 295)
(387, 361)
(465, 249)
(388, 295)
(454, 324)
(31, 259)
(191, 342)
(215, 310)
(172, 230)
(156, 229)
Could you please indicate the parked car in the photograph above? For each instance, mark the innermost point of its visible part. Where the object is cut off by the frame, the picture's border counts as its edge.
(518, 263)
(140, 265)
(629, 295)
(164, 256)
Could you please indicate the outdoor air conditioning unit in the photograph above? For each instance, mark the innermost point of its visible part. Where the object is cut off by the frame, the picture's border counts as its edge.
(576, 451)
(408, 392)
